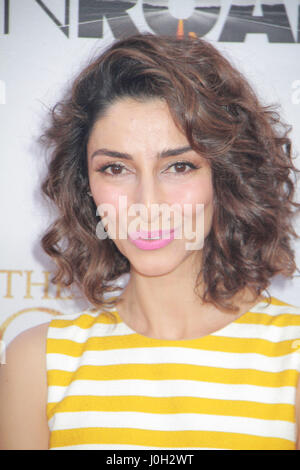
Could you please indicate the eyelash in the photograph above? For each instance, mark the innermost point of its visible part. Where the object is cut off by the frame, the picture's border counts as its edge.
(191, 165)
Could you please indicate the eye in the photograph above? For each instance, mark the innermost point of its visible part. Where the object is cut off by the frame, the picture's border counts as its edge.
(116, 169)
(181, 166)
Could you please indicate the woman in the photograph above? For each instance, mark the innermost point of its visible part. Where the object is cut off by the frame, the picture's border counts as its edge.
(190, 354)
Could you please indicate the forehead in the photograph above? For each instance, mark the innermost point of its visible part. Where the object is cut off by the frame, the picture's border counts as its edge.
(131, 122)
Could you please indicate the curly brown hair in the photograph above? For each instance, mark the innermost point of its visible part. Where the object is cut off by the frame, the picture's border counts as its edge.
(245, 142)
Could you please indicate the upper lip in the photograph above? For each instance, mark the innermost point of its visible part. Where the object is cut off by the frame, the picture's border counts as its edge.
(154, 234)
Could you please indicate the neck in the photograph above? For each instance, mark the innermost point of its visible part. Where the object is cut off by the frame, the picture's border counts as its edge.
(167, 307)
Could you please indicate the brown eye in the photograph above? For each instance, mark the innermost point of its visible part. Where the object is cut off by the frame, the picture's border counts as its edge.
(180, 168)
(116, 169)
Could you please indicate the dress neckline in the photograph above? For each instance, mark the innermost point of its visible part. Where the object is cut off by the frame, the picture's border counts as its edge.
(261, 304)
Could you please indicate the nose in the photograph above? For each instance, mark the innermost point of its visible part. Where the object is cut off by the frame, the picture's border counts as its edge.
(148, 196)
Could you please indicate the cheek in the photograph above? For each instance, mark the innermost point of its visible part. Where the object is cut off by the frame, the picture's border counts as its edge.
(197, 223)
(193, 192)
(108, 194)
(112, 203)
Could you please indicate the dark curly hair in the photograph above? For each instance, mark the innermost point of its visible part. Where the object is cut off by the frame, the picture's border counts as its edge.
(245, 142)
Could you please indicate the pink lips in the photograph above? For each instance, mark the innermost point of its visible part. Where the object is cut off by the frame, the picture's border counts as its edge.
(154, 234)
(141, 239)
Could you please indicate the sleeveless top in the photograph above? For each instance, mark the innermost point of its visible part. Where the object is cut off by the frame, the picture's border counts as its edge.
(112, 388)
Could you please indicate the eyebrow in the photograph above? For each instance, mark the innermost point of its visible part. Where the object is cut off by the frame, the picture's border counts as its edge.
(127, 156)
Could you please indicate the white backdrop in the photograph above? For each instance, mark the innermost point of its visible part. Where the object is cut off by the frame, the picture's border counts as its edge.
(43, 45)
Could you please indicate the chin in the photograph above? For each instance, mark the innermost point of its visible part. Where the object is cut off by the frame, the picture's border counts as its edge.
(153, 269)
(155, 262)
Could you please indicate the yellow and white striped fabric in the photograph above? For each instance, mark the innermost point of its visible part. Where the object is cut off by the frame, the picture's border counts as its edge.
(111, 388)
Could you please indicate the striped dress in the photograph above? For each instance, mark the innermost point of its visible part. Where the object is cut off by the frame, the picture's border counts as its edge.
(112, 388)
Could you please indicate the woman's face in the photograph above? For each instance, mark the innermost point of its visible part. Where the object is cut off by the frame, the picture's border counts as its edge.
(137, 155)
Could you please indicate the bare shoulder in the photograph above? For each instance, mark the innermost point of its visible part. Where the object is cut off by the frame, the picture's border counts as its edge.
(31, 339)
(23, 392)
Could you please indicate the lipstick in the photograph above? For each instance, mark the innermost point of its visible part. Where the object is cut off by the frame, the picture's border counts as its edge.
(152, 240)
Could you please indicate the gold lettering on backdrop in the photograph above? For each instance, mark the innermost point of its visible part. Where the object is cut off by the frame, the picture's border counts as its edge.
(9, 273)
(29, 284)
(58, 293)
(8, 320)
(10, 291)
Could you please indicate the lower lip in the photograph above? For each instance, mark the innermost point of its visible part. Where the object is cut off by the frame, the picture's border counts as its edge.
(152, 244)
